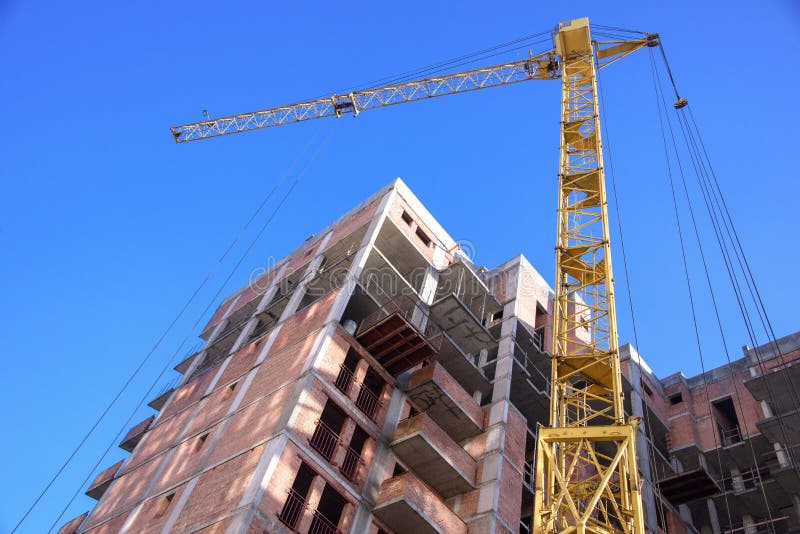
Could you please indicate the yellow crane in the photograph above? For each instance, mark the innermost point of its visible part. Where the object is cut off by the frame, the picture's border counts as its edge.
(586, 475)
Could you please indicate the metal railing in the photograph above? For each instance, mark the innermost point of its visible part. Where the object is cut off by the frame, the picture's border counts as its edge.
(368, 402)
(527, 474)
(538, 339)
(321, 524)
(730, 436)
(531, 369)
(344, 380)
(324, 440)
(292, 509)
(350, 464)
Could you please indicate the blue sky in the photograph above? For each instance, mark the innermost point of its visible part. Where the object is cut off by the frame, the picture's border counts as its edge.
(107, 226)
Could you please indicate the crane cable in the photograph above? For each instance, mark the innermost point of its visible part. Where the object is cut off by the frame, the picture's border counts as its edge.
(222, 286)
(233, 270)
(138, 369)
(748, 322)
(142, 363)
(718, 202)
(448, 64)
(719, 322)
(662, 115)
(717, 208)
(648, 425)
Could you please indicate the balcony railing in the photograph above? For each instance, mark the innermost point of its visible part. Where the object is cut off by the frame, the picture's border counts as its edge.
(538, 339)
(344, 379)
(527, 474)
(321, 524)
(407, 307)
(292, 509)
(324, 440)
(352, 461)
(730, 436)
(367, 400)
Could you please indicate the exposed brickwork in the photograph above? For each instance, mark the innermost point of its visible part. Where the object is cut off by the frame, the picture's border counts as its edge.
(225, 458)
(218, 491)
(123, 493)
(252, 424)
(409, 230)
(71, 527)
(408, 487)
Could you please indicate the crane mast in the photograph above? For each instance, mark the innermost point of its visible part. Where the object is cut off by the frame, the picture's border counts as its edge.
(586, 477)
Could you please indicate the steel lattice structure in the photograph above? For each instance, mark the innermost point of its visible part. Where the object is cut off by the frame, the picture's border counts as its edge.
(541, 66)
(586, 475)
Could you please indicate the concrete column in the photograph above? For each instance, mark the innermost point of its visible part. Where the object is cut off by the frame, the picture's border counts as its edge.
(766, 409)
(685, 513)
(780, 453)
(428, 291)
(796, 507)
(312, 501)
(737, 480)
(638, 408)
(211, 339)
(358, 378)
(378, 469)
(748, 524)
(713, 516)
(345, 435)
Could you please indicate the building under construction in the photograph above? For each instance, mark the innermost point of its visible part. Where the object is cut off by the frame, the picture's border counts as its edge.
(376, 380)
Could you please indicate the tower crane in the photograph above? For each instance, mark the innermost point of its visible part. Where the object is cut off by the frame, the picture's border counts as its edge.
(586, 478)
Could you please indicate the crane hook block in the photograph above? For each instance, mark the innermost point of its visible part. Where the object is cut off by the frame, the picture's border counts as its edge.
(681, 103)
(653, 39)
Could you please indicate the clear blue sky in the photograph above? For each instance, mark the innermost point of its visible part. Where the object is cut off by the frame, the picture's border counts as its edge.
(107, 226)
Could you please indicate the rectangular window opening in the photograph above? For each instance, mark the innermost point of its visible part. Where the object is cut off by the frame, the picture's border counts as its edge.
(406, 218)
(164, 506)
(727, 422)
(676, 398)
(423, 237)
(200, 442)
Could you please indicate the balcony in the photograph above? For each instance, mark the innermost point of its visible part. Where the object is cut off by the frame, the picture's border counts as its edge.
(443, 399)
(688, 486)
(399, 334)
(530, 380)
(327, 443)
(410, 507)
(71, 527)
(368, 398)
(463, 305)
(135, 434)
(296, 513)
(101, 483)
(163, 395)
(774, 386)
(324, 440)
(434, 456)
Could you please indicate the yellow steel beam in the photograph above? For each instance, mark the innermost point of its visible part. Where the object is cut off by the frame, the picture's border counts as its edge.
(586, 475)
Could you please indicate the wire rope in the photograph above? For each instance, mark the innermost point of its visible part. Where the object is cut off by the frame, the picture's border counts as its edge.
(147, 357)
(662, 118)
(648, 424)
